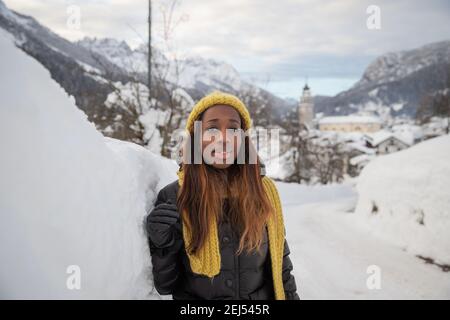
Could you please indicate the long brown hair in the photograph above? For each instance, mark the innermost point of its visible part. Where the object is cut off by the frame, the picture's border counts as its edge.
(204, 190)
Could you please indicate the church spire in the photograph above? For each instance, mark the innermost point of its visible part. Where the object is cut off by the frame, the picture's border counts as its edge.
(306, 108)
(306, 87)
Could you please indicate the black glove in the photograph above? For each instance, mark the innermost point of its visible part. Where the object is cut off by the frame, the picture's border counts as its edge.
(163, 225)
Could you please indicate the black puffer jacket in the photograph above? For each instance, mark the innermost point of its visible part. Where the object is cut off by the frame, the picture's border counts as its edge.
(247, 276)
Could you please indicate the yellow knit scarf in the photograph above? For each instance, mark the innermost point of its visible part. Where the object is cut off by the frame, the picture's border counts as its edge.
(207, 260)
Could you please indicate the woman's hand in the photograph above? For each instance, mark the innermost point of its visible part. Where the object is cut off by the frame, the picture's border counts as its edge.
(163, 225)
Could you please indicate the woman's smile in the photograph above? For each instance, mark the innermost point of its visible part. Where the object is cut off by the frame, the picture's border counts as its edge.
(222, 155)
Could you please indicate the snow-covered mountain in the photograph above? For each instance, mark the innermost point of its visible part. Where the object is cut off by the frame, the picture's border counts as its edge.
(92, 69)
(210, 72)
(119, 53)
(191, 72)
(397, 65)
(395, 83)
(33, 38)
(71, 66)
(194, 74)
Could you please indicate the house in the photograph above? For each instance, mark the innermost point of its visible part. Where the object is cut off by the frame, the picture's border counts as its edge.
(435, 127)
(352, 123)
(356, 157)
(385, 142)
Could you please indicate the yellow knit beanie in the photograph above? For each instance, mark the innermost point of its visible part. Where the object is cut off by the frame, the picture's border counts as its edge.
(207, 261)
(214, 98)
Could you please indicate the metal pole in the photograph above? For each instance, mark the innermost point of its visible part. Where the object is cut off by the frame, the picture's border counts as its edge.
(149, 49)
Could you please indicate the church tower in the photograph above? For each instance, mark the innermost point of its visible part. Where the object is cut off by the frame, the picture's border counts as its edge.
(306, 109)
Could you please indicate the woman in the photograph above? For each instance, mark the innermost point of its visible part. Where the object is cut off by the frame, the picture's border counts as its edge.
(217, 232)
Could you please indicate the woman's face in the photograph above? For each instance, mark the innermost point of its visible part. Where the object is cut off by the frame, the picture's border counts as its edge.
(220, 140)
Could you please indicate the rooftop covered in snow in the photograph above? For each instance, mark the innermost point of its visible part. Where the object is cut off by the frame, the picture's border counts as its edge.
(349, 119)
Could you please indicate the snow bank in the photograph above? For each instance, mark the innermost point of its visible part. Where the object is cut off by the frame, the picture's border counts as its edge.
(404, 197)
(68, 196)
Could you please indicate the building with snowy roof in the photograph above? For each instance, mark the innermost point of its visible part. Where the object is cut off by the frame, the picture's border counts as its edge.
(387, 142)
(352, 123)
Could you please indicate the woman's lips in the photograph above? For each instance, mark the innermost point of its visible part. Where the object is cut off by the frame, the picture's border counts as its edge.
(222, 155)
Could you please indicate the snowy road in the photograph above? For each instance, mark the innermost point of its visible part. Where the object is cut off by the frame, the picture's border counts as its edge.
(331, 251)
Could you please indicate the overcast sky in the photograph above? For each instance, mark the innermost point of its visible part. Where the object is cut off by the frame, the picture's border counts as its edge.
(276, 43)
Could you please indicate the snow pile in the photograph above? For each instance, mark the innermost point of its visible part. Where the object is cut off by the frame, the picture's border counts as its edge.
(404, 198)
(68, 196)
(333, 253)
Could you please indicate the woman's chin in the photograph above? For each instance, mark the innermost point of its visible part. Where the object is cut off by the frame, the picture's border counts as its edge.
(221, 165)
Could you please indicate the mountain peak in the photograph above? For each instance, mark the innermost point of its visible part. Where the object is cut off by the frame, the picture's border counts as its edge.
(395, 83)
(393, 66)
(109, 44)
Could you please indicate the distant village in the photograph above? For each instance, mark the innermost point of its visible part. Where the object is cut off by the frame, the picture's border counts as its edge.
(329, 148)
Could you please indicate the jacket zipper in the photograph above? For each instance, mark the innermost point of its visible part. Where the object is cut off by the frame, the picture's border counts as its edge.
(237, 272)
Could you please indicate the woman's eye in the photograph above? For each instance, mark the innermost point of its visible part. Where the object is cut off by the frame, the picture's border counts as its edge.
(214, 129)
(233, 130)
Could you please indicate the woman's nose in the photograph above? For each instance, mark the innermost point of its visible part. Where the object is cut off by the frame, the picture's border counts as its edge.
(224, 137)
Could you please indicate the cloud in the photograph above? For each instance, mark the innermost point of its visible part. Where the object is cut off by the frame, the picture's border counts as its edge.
(287, 39)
